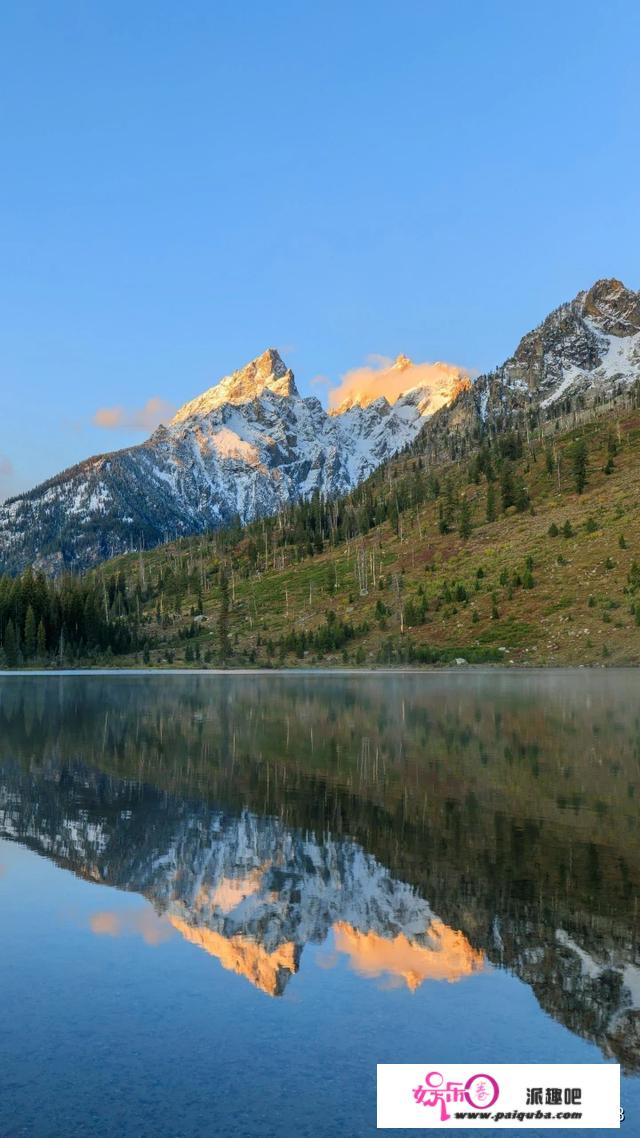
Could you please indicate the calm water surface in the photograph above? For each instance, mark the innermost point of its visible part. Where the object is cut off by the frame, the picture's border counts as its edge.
(224, 899)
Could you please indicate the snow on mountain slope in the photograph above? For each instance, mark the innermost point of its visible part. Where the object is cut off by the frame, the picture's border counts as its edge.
(245, 448)
(586, 350)
(584, 347)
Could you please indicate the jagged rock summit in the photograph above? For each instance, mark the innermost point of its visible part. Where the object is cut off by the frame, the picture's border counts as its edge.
(584, 352)
(243, 449)
(589, 339)
(266, 373)
(615, 308)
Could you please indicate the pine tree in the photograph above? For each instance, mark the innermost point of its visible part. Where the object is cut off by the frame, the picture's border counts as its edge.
(10, 645)
(521, 495)
(447, 507)
(224, 642)
(450, 501)
(41, 641)
(579, 464)
(465, 519)
(491, 503)
(507, 488)
(30, 634)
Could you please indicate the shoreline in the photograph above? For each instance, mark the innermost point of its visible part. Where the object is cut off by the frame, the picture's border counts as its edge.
(460, 669)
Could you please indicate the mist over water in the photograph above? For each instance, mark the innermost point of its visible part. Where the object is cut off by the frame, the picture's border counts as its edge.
(223, 899)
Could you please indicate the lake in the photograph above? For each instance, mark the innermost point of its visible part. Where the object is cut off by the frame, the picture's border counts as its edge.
(224, 899)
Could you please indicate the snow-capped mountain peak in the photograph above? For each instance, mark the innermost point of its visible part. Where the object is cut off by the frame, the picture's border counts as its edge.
(363, 396)
(586, 351)
(267, 372)
(430, 386)
(245, 448)
(613, 307)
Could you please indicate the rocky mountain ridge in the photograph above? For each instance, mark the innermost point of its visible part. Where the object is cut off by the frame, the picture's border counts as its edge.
(245, 448)
(584, 352)
(251, 444)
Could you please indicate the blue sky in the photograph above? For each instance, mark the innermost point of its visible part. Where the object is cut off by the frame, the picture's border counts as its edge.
(184, 185)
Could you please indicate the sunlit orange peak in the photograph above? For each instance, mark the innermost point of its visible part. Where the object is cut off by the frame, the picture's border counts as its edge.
(268, 971)
(448, 956)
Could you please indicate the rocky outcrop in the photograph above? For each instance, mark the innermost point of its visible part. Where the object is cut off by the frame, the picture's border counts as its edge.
(588, 348)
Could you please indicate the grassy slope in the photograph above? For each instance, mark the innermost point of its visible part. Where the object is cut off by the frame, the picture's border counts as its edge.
(578, 610)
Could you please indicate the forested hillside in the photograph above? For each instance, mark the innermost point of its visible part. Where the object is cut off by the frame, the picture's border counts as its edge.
(526, 547)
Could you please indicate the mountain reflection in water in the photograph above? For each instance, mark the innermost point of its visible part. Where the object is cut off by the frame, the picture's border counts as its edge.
(424, 827)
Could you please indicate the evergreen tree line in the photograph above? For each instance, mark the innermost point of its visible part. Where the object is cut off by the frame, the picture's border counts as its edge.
(334, 634)
(44, 621)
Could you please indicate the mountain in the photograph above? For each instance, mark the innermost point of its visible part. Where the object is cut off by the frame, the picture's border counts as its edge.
(582, 354)
(244, 449)
(480, 547)
(250, 445)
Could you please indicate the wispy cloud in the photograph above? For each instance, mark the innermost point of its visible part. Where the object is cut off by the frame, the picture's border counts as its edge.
(145, 923)
(382, 376)
(155, 411)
